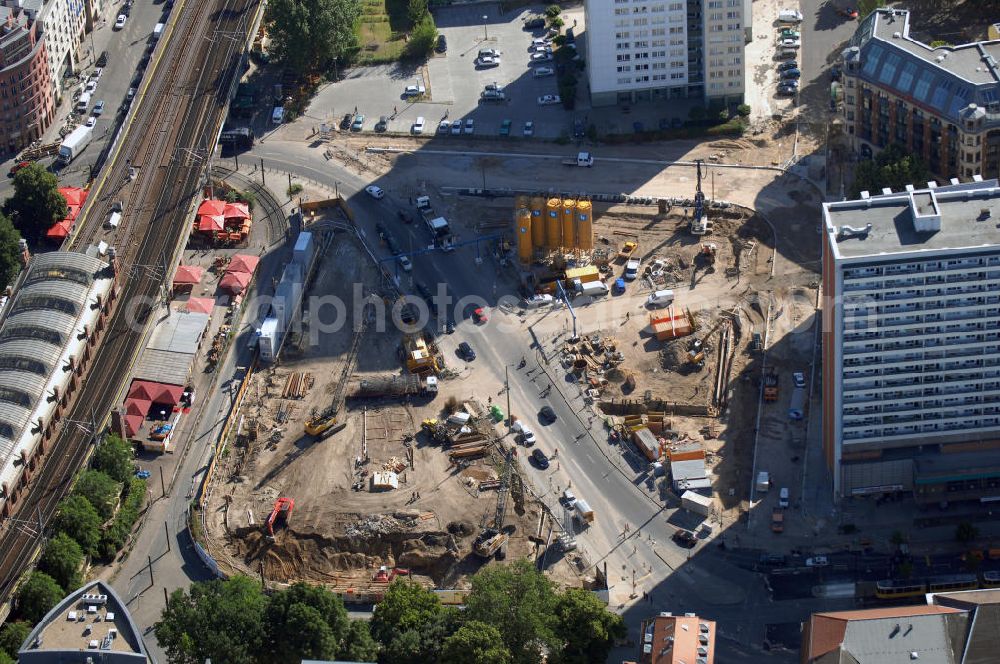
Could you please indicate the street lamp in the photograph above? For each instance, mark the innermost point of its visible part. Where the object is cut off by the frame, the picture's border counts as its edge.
(486, 35)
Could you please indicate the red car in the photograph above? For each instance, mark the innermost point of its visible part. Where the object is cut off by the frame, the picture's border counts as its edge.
(848, 12)
(480, 316)
(18, 166)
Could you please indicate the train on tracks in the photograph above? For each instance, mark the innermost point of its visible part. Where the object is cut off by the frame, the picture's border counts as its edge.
(891, 589)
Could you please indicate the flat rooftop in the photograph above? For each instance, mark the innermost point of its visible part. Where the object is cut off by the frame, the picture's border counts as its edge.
(963, 216)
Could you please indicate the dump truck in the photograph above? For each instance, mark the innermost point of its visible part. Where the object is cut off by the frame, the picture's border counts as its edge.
(770, 386)
(75, 143)
(390, 386)
(777, 520)
(583, 159)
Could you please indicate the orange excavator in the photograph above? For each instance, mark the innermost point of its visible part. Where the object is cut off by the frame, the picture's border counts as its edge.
(282, 510)
(386, 575)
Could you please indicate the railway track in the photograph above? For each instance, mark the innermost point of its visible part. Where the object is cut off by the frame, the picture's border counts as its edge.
(168, 140)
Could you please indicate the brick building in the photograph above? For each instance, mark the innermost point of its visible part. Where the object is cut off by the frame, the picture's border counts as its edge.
(26, 100)
(942, 103)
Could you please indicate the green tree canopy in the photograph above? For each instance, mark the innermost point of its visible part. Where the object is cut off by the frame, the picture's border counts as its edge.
(308, 35)
(866, 7)
(422, 38)
(585, 626)
(415, 11)
(422, 643)
(36, 203)
(6, 659)
(37, 597)
(114, 456)
(893, 167)
(100, 490)
(61, 560)
(359, 646)
(475, 643)
(12, 635)
(220, 619)
(519, 601)
(315, 615)
(78, 519)
(10, 252)
(406, 606)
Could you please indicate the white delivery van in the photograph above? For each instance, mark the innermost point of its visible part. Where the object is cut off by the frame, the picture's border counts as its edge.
(583, 512)
(418, 126)
(660, 298)
(789, 16)
(594, 289)
(537, 301)
(83, 103)
(157, 31)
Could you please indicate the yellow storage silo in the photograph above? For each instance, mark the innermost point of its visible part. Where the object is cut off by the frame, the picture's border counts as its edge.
(524, 249)
(553, 225)
(568, 223)
(521, 201)
(537, 222)
(584, 226)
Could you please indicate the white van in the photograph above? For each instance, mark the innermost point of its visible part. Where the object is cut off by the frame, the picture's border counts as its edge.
(594, 289)
(157, 31)
(660, 298)
(83, 103)
(538, 301)
(418, 126)
(789, 16)
(113, 220)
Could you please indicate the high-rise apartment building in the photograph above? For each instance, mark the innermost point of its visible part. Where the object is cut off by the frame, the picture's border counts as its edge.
(911, 343)
(656, 50)
(941, 103)
(26, 103)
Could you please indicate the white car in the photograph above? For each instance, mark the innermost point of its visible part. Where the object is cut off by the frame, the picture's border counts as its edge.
(375, 191)
(414, 90)
(548, 100)
(541, 57)
(541, 41)
(543, 71)
(456, 127)
(91, 85)
(120, 21)
(789, 16)
(536, 301)
(489, 53)
(405, 263)
(541, 48)
(488, 61)
(470, 125)
(790, 43)
(799, 378)
(91, 121)
(444, 127)
(817, 561)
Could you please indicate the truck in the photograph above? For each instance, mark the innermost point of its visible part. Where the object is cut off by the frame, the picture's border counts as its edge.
(777, 520)
(436, 224)
(632, 267)
(627, 250)
(797, 406)
(583, 511)
(75, 143)
(591, 288)
(583, 159)
(763, 481)
(770, 386)
(388, 386)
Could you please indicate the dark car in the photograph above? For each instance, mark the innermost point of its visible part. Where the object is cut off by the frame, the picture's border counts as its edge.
(579, 131)
(685, 538)
(465, 351)
(540, 459)
(787, 89)
(382, 124)
(547, 414)
(102, 59)
(442, 44)
(772, 559)
(785, 66)
(791, 73)
(346, 122)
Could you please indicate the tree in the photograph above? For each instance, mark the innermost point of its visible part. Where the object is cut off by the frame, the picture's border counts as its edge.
(553, 10)
(422, 643)
(36, 203)
(315, 615)
(37, 597)
(743, 110)
(475, 643)
(220, 619)
(308, 35)
(422, 37)
(556, 22)
(100, 490)
(6, 659)
(10, 252)
(114, 456)
(588, 630)
(893, 167)
(415, 11)
(406, 606)
(61, 560)
(519, 601)
(12, 635)
(965, 532)
(866, 7)
(78, 519)
(358, 646)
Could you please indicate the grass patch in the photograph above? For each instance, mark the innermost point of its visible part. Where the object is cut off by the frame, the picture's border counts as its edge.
(381, 31)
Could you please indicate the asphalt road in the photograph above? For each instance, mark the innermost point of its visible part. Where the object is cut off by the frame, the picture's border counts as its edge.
(824, 34)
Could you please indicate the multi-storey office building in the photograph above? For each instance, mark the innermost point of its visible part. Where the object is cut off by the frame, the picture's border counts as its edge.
(655, 50)
(64, 24)
(911, 343)
(941, 103)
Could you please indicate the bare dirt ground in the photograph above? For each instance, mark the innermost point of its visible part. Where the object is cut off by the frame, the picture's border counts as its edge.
(340, 532)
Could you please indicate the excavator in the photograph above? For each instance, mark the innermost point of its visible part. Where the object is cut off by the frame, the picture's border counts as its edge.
(493, 540)
(282, 510)
(386, 575)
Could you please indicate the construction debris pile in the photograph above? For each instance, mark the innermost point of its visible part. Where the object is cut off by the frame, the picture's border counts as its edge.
(594, 360)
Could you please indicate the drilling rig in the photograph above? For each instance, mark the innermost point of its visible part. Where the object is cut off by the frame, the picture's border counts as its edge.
(699, 224)
(493, 540)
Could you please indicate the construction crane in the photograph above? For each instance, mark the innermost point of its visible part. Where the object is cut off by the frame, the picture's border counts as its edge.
(699, 226)
(493, 540)
(323, 422)
(282, 510)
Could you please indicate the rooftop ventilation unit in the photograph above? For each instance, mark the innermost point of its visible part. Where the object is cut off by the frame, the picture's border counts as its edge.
(851, 231)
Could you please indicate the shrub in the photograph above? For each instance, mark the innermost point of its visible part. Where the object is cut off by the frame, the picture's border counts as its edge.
(743, 110)
(422, 38)
(294, 189)
(100, 489)
(37, 596)
(556, 22)
(553, 10)
(114, 537)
